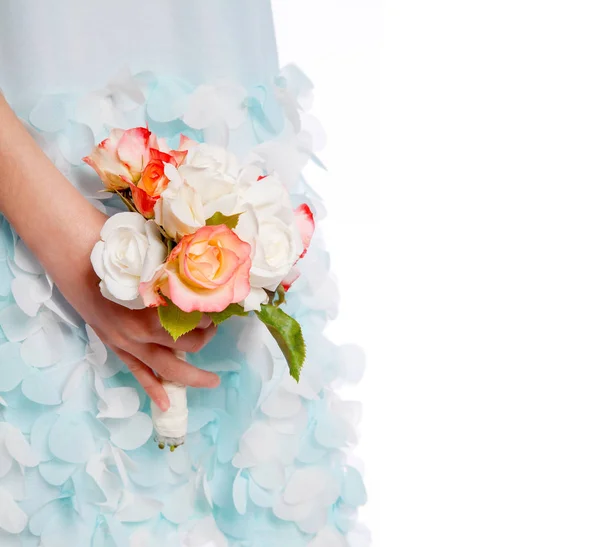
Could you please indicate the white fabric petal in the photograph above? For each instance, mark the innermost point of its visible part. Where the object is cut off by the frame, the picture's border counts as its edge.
(14, 482)
(58, 305)
(359, 536)
(305, 484)
(22, 289)
(12, 518)
(259, 496)
(44, 347)
(136, 508)
(74, 381)
(26, 260)
(296, 513)
(270, 476)
(316, 521)
(96, 352)
(130, 433)
(205, 534)
(328, 537)
(259, 444)
(119, 402)
(16, 325)
(240, 493)
(6, 460)
(282, 404)
(19, 448)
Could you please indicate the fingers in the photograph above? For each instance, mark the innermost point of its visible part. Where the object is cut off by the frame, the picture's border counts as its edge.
(164, 362)
(147, 379)
(205, 322)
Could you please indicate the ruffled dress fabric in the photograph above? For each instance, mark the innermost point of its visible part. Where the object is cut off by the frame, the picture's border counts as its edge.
(266, 462)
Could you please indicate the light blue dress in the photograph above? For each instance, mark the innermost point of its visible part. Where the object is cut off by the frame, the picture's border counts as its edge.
(267, 462)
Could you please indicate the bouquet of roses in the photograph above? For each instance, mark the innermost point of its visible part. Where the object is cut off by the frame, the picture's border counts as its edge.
(204, 235)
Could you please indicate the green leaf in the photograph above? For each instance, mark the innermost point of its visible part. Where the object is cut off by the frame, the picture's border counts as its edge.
(229, 311)
(177, 322)
(219, 218)
(288, 335)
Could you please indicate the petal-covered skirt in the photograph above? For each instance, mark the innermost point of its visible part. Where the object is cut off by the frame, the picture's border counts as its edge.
(266, 460)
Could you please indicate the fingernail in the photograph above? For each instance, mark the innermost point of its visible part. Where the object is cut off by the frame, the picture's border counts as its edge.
(214, 381)
(164, 405)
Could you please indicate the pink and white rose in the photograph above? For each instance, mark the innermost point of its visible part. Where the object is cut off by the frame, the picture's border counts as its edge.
(121, 158)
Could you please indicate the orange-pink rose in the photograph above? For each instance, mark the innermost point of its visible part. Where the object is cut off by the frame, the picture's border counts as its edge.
(121, 158)
(153, 180)
(206, 271)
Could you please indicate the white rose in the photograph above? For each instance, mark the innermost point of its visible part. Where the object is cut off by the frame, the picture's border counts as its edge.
(129, 251)
(213, 158)
(274, 236)
(193, 196)
(179, 210)
(278, 246)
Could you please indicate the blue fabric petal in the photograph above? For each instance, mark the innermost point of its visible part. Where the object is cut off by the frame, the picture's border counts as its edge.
(71, 438)
(353, 489)
(12, 367)
(56, 472)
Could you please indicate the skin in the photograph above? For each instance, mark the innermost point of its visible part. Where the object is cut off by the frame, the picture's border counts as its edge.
(34, 194)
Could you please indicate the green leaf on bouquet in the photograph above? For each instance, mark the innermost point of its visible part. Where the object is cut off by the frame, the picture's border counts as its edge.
(177, 322)
(219, 218)
(229, 311)
(288, 335)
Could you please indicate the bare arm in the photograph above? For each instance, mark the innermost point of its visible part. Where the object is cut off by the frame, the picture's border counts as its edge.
(34, 194)
(60, 227)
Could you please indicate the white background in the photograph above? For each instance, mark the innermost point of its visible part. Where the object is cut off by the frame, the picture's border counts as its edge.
(464, 201)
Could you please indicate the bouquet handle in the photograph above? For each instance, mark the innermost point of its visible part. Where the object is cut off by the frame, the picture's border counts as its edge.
(170, 426)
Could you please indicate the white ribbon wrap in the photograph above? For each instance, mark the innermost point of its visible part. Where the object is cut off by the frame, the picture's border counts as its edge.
(172, 423)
